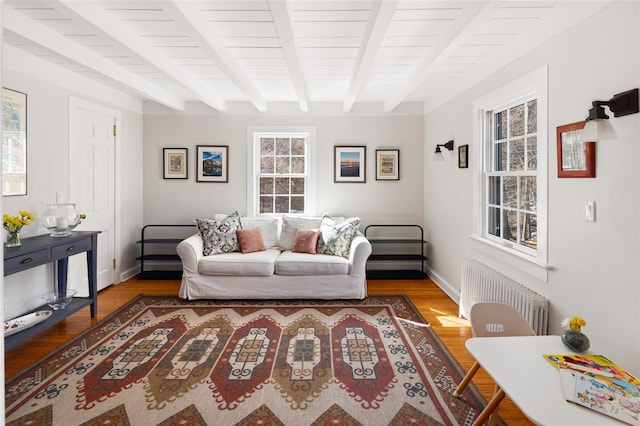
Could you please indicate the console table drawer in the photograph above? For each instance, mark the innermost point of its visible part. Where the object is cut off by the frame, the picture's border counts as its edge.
(66, 250)
(26, 261)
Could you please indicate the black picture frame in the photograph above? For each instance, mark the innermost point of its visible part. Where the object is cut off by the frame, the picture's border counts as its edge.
(463, 156)
(350, 164)
(212, 163)
(175, 163)
(387, 164)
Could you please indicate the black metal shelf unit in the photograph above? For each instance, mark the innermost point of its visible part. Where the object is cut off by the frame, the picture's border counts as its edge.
(163, 251)
(411, 250)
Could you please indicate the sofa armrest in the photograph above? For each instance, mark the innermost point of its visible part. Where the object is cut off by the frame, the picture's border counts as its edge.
(190, 252)
(358, 255)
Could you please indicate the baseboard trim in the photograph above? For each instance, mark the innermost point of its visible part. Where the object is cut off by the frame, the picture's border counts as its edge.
(449, 290)
(129, 273)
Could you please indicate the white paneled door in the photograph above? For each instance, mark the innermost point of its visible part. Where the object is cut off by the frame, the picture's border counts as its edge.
(92, 149)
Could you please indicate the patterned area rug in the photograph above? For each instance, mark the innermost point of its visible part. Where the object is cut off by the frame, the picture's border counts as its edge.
(166, 361)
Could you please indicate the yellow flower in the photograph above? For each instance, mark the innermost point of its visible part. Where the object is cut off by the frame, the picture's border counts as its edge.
(15, 223)
(574, 323)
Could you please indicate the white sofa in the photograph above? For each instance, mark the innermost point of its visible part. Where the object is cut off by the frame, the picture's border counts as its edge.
(277, 272)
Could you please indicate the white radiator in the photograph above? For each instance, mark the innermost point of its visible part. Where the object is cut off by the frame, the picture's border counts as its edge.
(483, 284)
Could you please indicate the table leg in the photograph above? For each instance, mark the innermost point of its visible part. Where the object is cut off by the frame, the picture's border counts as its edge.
(63, 267)
(92, 266)
(467, 378)
(490, 408)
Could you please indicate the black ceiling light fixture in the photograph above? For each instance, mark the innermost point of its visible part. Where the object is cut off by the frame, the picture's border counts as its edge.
(621, 104)
(438, 153)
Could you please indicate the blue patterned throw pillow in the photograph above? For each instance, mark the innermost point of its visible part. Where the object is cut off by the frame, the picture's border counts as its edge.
(335, 238)
(219, 236)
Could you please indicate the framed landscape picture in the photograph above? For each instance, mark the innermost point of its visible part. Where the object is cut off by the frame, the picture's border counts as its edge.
(174, 163)
(212, 163)
(387, 164)
(349, 164)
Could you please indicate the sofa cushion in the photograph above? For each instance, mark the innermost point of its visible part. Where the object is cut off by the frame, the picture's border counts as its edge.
(219, 236)
(306, 241)
(291, 263)
(335, 238)
(289, 226)
(259, 263)
(250, 240)
(268, 227)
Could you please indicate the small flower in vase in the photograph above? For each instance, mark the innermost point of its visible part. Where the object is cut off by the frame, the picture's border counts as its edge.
(13, 225)
(574, 323)
(573, 337)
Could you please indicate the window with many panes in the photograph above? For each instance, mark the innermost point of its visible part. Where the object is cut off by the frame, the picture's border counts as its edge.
(510, 200)
(281, 172)
(511, 179)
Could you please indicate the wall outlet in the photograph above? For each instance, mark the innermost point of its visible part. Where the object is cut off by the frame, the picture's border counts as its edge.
(58, 197)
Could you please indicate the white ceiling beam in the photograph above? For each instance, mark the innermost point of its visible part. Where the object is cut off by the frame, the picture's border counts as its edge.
(42, 35)
(382, 15)
(474, 14)
(119, 31)
(210, 42)
(20, 61)
(283, 22)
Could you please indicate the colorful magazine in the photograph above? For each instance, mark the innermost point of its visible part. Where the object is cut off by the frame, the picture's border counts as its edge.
(595, 382)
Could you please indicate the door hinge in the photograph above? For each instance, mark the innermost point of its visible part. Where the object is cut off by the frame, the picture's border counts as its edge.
(114, 130)
(114, 264)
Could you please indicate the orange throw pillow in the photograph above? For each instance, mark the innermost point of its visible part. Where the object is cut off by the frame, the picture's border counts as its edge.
(250, 240)
(306, 240)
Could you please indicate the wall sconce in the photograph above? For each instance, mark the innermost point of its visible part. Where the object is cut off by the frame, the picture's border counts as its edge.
(438, 154)
(597, 126)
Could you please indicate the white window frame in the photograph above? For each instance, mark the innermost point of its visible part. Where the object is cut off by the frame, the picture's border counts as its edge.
(254, 133)
(533, 262)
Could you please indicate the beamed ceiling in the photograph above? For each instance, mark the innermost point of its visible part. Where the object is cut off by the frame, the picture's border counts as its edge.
(296, 51)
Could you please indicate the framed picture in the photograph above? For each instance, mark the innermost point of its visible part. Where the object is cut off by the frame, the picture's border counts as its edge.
(174, 162)
(576, 158)
(463, 156)
(387, 164)
(212, 163)
(14, 143)
(349, 164)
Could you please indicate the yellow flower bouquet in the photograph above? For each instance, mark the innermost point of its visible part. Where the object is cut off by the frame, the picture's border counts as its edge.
(574, 323)
(572, 337)
(13, 225)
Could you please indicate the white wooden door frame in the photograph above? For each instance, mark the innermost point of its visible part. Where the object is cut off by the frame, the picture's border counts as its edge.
(80, 103)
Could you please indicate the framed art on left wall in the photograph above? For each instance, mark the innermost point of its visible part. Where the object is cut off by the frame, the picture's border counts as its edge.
(174, 163)
(14, 143)
(349, 163)
(212, 163)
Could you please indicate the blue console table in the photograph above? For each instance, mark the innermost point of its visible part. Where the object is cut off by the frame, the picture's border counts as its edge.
(44, 249)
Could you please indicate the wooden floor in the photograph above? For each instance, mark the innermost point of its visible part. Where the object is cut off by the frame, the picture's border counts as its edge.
(440, 311)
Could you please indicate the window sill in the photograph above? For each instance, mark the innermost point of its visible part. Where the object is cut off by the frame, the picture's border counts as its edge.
(503, 255)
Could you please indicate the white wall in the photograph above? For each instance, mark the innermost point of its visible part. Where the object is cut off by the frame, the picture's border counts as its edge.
(47, 174)
(180, 201)
(593, 266)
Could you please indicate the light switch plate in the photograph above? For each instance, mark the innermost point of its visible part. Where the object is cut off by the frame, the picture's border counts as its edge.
(590, 211)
